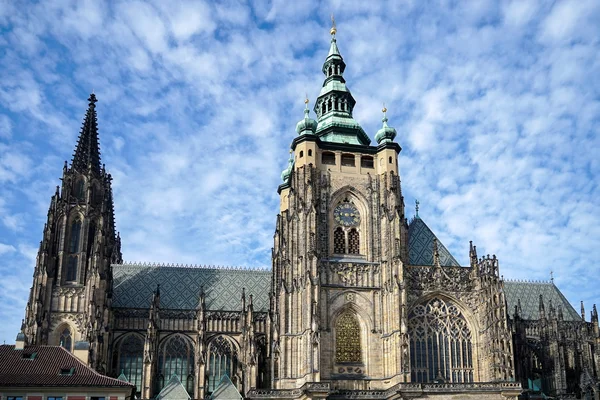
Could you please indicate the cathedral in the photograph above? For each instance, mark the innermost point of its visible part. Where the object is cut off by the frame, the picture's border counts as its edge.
(360, 302)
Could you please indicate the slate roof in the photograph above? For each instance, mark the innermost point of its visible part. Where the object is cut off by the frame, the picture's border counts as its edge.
(529, 293)
(180, 287)
(420, 246)
(21, 368)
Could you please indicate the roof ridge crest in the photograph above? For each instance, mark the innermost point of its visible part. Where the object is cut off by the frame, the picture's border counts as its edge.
(190, 266)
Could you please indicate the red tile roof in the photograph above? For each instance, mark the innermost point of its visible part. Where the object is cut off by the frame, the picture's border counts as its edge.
(44, 369)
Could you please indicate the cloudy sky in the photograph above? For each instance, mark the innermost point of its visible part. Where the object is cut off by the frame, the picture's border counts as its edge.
(496, 104)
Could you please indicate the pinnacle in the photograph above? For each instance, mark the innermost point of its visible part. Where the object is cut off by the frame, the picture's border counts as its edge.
(87, 152)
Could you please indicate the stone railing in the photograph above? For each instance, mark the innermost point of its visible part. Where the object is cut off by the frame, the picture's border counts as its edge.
(400, 388)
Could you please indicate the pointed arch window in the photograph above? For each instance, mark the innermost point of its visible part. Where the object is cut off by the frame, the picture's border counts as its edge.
(66, 339)
(79, 189)
(176, 357)
(131, 360)
(353, 242)
(222, 360)
(347, 339)
(74, 235)
(339, 241)
(440, 343)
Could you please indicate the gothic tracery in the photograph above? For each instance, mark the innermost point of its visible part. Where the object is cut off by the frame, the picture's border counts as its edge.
(440, 343)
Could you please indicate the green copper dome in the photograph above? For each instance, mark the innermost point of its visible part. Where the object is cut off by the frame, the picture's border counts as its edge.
(306, 125)
(285, 174)
(386, 133)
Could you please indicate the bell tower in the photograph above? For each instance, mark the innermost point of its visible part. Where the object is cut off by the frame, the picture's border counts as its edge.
(341, 242)
(69, 302)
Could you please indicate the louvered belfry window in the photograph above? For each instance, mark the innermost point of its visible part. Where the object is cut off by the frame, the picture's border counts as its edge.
(347, 339)
(440, 343)
(339, 241)
(353, 242)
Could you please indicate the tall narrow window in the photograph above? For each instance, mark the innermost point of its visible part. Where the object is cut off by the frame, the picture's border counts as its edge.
(74, 235)
(353, 242)
(222, 359)
(71, 270)
(66, 340)
(131, 353)
(347, 339)
(339, 241)
(176, 357)
(440, 343)
(79, 189)
(91, 237)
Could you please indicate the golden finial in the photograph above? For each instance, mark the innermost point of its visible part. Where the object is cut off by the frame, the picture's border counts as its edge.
(306, 99)
(384, 109)
(333, 30)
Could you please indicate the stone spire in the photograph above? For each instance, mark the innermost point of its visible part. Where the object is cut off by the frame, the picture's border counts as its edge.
(87, 152)
(335, 103)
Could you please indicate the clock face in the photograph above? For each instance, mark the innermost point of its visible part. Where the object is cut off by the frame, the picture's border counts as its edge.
(346, 214)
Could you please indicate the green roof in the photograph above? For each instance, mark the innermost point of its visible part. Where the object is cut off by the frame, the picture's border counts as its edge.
(180, 287)
(529, 295)
(420, 246)
(226, 390)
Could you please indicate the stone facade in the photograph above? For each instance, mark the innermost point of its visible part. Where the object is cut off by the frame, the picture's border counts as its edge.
(359, 302)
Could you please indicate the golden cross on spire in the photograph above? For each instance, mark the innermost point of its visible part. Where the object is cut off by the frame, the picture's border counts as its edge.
(333, 30)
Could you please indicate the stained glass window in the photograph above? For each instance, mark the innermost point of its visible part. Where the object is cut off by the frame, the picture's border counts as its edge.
(440, 343)
(131, 353)
(339, 241)
(353, 242)
(66, 340)
(347, 339)
(176, 357)
(222, 359)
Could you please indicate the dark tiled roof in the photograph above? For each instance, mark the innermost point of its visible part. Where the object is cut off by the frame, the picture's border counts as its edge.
(420, 246)
(44, 369)
(529, 294)
(180, 286)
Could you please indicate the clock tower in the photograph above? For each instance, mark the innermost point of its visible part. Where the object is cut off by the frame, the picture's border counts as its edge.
(341, 242)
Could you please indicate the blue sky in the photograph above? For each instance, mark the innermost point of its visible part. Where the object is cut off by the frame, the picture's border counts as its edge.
(496, 104)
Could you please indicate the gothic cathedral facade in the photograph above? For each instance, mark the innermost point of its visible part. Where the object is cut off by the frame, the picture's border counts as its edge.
(359, 302)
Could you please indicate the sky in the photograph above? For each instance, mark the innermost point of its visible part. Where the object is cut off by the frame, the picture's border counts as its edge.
(496, 104)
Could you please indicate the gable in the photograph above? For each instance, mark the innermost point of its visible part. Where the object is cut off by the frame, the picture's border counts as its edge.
(420, 246)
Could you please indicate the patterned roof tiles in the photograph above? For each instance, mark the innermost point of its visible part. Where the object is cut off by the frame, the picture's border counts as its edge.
(18, 368)
(420, 246)
(529, 294)
(180, 286)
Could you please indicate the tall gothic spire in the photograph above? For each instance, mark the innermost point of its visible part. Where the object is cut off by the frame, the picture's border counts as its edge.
(87, 152)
